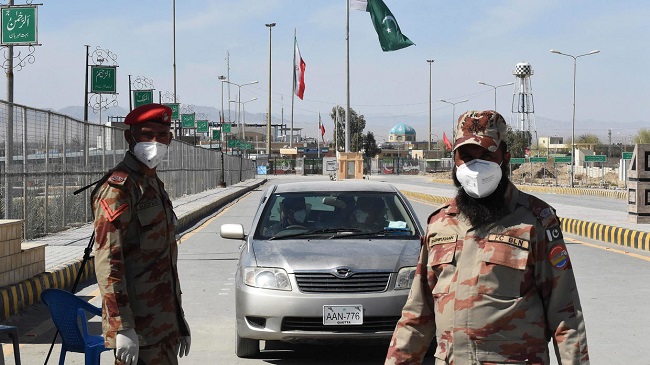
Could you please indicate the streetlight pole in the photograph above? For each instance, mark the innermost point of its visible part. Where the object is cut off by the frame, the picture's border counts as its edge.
(453, 117)
(429, 142)
(268, 121)
(573, 117)
(239, 86)
(222, 182)
(495, 90)
(242, 105)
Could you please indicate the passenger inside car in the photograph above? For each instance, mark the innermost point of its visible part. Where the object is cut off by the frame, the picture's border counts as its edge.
(369, 214)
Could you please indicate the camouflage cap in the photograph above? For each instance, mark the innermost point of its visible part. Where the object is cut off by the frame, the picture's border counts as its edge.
(484, 128)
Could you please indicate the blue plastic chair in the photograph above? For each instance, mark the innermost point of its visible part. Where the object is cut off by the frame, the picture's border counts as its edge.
(68, 313)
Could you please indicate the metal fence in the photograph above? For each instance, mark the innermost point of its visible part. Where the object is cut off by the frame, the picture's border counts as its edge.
(45, 157)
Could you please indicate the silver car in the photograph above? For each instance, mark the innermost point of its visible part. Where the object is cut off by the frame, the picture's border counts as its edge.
(324, 261)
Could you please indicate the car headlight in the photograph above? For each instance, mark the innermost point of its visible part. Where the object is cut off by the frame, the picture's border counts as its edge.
(267, 278)
(405, 278)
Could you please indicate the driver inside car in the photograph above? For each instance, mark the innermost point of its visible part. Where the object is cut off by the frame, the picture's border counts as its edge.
(293, 214)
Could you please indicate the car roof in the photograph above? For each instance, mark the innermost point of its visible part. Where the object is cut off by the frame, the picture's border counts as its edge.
(330, 186)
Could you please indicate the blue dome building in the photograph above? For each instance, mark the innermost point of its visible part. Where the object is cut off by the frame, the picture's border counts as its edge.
(401, 133)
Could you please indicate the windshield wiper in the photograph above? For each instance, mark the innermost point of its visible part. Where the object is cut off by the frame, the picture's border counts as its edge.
(382, 232)
(352, 231)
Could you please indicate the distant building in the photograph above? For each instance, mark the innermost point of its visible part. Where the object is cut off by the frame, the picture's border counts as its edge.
(401, 133)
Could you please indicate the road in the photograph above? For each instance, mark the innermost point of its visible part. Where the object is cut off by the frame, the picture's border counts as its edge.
(612, 281)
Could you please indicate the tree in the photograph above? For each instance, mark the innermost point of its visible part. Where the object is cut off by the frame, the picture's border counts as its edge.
(357, 125)
(370, 145)
(643, 136)
(588, 139)
(518, 142)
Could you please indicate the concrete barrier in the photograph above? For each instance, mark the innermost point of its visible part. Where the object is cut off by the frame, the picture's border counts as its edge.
(597, 231)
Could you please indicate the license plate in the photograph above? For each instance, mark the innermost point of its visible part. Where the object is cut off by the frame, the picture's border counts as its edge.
(338, 315)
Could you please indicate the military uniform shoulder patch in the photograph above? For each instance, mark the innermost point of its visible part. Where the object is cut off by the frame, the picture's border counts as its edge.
(554, 233)
(559, 257)
(112, 214)
(118, 177)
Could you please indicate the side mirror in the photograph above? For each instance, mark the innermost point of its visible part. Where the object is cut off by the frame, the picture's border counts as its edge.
(232, 231)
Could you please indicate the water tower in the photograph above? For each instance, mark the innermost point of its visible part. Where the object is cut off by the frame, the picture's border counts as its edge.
(523, 109)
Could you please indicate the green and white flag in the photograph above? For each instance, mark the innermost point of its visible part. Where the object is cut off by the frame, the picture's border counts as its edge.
(390, 36)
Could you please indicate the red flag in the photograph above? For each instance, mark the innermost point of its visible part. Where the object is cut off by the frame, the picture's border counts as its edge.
(299, 72)
(446, 141)
(321, 126)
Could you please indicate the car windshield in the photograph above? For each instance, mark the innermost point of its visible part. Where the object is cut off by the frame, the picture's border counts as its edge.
(335, 215)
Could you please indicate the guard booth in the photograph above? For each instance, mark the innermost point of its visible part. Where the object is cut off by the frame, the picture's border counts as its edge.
(638, 187)
(350, 165)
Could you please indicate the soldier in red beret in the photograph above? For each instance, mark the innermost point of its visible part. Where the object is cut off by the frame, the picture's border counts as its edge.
(136, 251)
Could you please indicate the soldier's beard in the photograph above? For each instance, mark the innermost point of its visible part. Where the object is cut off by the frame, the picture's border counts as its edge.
(482, 211)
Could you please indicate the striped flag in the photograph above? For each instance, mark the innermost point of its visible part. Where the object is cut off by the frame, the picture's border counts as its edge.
(299, 71)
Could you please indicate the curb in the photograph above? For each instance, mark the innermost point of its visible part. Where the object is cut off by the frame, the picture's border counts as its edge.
(597, 231)
(614, 194)
(15, 298)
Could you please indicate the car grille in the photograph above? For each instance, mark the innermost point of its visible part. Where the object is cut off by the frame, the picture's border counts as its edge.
(356, 283)
(315, 324)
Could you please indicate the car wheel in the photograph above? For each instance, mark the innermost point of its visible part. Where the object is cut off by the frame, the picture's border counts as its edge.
(246, 347)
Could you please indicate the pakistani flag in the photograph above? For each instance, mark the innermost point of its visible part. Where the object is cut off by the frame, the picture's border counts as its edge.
(390, 37)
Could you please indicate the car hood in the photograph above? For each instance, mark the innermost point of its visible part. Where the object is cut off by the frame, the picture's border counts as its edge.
(311, 255)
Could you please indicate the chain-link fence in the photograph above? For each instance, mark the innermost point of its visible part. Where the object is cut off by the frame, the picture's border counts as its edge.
(45, 157)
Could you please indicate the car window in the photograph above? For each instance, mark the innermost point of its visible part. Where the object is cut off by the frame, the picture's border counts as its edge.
(334, 213)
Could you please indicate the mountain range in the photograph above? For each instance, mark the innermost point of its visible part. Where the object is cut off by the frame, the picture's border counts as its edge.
(621, 132)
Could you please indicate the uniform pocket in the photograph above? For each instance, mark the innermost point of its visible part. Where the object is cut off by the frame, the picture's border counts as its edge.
(441, 257)
(502, 269)
(491, 352)
(153, 227)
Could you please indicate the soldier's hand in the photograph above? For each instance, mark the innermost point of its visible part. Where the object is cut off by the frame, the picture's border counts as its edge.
(128, 346)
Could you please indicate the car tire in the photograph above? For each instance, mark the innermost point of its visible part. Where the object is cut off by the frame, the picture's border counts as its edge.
(246, 347)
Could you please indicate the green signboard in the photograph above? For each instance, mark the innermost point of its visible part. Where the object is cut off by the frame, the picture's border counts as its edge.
(216, 134)
(19, 25)
(202, 126)
(175, 107)
(103, 80)
(565, 159)
(225, 128)
(142, 97)
(627, 155)
(236, 143)
(187, 120)
(517, 160)
(538, 159)
(596, 158)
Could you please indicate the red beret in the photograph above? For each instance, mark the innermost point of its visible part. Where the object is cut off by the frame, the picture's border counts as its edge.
(149, 113)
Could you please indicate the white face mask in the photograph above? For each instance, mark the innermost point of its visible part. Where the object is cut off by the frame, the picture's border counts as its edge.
(360, 216)
(300, 216)
(150, 153)
(479, 178)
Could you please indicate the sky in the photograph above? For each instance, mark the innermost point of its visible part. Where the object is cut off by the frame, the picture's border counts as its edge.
(469, 41)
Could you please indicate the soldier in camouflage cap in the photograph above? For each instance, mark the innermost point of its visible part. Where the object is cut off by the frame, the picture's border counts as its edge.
(136, 250)
(494, 282)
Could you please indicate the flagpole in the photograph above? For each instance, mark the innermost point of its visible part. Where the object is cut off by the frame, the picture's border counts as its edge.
(347, 77)
(319, 132)
(336, 131)
(293, 94)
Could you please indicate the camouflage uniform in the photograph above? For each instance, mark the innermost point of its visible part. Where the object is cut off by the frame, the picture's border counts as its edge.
(136, 255)
(495, 294)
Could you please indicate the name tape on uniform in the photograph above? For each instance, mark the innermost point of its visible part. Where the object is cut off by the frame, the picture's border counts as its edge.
(513, 241)
(443, 239)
